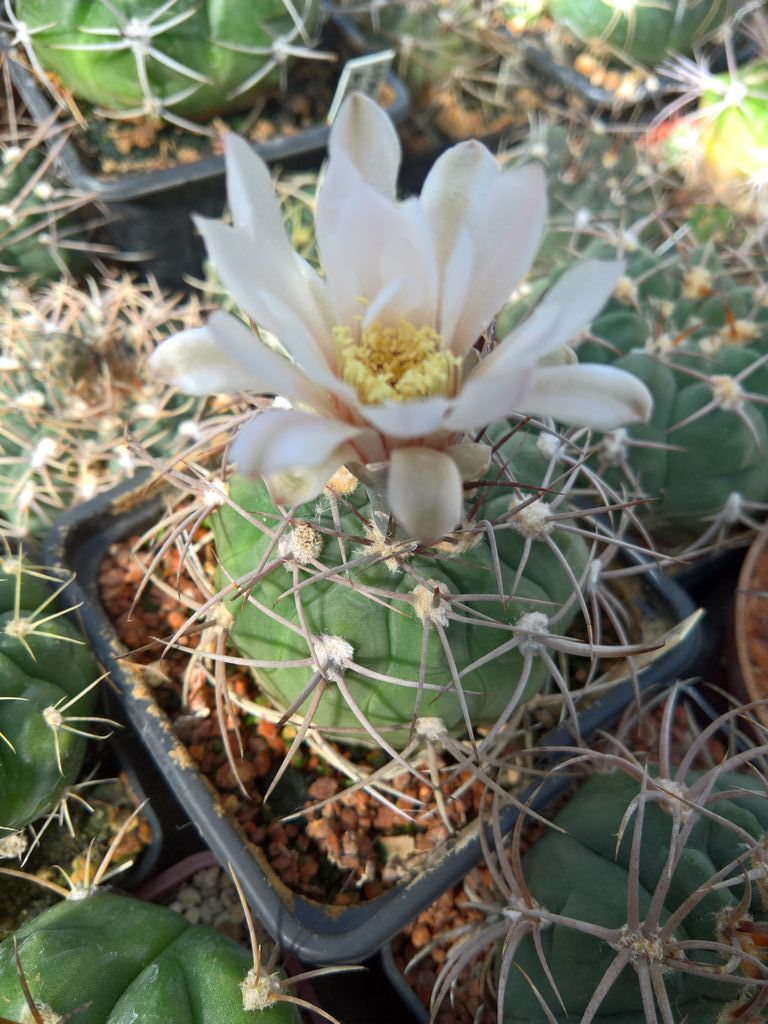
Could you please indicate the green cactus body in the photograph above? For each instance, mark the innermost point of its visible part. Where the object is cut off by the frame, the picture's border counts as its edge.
(580, 875)
(688, 336)
(189, 56)
(640, 32)
(27, 218)
(385, 633)
(109, 959)
(44, 664)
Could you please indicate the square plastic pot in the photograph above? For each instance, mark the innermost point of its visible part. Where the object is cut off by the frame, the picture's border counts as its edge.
(313, 932)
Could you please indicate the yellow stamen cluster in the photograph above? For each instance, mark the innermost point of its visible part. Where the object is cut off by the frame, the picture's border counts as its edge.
(394, 363)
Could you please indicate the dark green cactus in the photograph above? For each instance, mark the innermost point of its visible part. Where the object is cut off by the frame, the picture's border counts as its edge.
(640, 32)
(47, 694)
(389, 614)
(177, 58)
(699, 339)
(613, 915)
(109, 959)
(34, 218)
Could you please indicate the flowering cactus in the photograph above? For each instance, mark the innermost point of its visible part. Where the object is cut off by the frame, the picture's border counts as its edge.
(386, 377)
(393, 380)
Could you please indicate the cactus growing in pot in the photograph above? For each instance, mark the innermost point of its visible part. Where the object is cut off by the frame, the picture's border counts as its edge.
(638, 31)
(644, 901)
(44, 710)
(391, 382)
(697, 333)
(179, 60)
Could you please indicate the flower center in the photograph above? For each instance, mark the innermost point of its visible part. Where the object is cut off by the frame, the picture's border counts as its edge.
(389, 364)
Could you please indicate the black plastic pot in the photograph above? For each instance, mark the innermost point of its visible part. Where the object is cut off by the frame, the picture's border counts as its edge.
(311, 931)
(150, 211)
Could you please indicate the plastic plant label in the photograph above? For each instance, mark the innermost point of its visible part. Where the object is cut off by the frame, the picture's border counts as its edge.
(362, 74)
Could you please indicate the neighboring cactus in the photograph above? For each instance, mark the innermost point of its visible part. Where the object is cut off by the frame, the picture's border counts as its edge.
(598, 184)
(103, 958)
(389, 633)
(47, 693)
(35, 218)
(640, 31)
(660, 923)
(698, 337)
(722, 145)
(178, 59)
(71, 397)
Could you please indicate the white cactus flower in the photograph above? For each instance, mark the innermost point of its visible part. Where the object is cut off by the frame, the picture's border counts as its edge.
(382, 375)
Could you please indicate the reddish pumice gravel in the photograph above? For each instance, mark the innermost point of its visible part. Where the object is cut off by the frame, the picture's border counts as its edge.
(352, 848)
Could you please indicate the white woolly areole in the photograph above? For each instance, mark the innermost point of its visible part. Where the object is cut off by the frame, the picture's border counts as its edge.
(53, 718)
(303, 544)
(697, 283)
(333, 654)
(738, 332)
(342, 482)
(625, 291)
(549, 446)
(429, 603)
(431, 728)
(384, 550)
(733, 508)
(259, 990)
(726, 391)
(641, 947)
(532, 520)
(678, 796)
(594, 573)
(13, 846)
(222, 616)
(535, 624)
(215, 493)
(613, 447)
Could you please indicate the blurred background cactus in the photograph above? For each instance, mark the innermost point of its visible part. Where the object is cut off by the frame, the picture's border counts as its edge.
(640, 31)
(179, 60)
(75, 394)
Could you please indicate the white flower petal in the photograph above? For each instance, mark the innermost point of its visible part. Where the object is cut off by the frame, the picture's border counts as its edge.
(407, 419)
(566, 308)
(368, 138)
(294, 487)
(455, 286)
(265, 371)
(569, 306)
(597, 396)
(251, 197)
(287, 439)
(250, 269)
(193, 361)
(370, 242)
(454, 189)
(506, 230)
(424, 492)
(489, 397)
